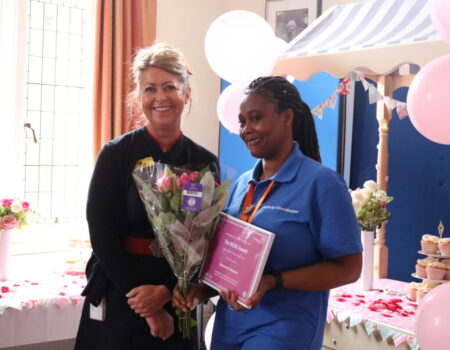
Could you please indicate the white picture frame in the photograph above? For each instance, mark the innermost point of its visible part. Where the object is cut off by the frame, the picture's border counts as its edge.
(288, 18)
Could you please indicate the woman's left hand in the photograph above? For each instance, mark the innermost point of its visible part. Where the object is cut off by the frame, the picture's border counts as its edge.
(267, 283)
(147, 299)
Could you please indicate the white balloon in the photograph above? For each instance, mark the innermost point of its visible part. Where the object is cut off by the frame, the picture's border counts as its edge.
(240, 46)
(208, 331)
(280, 46)
(228, 106)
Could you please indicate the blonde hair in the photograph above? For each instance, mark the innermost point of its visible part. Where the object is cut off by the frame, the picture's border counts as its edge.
(159, 55)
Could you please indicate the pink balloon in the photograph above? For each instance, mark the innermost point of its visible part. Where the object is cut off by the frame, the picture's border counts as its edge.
(432, 325)
(228, 106)
(440, 14)
(428, 100)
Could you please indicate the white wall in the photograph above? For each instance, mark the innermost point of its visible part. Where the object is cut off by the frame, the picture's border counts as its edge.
(184, 24)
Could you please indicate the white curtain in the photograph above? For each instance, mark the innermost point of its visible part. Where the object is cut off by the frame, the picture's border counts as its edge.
(12, 102)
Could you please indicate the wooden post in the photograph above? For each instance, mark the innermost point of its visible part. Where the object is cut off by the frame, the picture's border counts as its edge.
(386, 85)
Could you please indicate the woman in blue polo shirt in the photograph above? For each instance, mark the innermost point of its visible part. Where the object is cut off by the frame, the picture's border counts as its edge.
(317, 245)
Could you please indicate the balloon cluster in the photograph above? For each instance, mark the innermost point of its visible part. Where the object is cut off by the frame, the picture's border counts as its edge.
(240, 46)
(428, 97)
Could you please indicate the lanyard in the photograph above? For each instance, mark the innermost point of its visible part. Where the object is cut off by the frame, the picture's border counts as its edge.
(249, 198)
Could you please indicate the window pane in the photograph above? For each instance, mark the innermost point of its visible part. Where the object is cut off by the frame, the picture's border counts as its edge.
(61, 72)
(74, 73)
(45, 179)
(48, 98)
(48, 76)
(62, 42)
(60, 99)
(49, 44)
(58, 178)
(45, 152)
(32, 150)
(50, 17)
(76, 21)
(59, 153)
(59, 126)
(47, 125)
(36, 14)
(34, 69)
(34, 97)
(31, 174)
(75, 47)
(63, 19)
(36, 42)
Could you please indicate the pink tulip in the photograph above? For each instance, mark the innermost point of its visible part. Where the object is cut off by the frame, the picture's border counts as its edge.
(25, 206)
(194, 175)
(8, 222)
(164, 184)
(7, 202)
(182, 180)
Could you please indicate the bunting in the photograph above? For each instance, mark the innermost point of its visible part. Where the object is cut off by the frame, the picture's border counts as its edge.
(373, 94)
(353, 319)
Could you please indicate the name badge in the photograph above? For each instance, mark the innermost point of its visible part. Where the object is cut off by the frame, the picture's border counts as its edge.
(192, 196)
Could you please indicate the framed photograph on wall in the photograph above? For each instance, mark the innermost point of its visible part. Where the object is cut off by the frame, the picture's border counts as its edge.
(289, 18)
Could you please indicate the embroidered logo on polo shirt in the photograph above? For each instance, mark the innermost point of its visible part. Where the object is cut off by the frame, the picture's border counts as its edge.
(287, 210)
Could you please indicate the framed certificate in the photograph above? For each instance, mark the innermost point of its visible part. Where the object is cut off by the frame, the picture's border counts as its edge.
(237, 257)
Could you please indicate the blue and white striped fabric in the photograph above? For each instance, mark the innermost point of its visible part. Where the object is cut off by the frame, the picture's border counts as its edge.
(365, 25)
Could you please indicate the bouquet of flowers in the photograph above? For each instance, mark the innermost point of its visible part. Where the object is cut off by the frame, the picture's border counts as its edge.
(370, 203)
(13, 214)
(183, 207)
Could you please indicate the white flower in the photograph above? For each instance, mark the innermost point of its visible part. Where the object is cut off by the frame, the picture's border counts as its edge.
(365, 195)
(370, 185)
(357, 195)
(356, 205)
(16, 207)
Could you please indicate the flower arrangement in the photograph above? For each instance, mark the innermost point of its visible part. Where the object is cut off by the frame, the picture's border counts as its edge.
(13, 214)
(370, 203)
(183, 207)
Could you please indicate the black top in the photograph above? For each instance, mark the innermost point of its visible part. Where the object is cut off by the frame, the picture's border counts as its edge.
(114, 211)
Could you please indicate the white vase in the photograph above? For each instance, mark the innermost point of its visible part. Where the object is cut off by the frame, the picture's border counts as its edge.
(5, 237)
(366, 279)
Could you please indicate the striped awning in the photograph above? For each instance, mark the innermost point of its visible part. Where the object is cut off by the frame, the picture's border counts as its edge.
(374, 36)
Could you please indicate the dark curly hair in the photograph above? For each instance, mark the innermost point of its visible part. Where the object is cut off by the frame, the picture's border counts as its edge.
(286, 96)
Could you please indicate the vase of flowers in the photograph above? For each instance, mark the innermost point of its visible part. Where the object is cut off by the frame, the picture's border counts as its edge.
(370, 204)
(13, 214)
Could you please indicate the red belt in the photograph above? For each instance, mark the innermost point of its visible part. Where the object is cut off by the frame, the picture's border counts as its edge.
(138, 245)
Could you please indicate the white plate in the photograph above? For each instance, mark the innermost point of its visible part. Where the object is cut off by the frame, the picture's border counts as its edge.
(426, 279)
(434, 255)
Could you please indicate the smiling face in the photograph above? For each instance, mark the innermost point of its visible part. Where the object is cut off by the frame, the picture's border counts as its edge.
(162, 97)
(266, 132)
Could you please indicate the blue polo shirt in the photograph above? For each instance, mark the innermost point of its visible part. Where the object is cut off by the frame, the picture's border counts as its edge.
(311, 213)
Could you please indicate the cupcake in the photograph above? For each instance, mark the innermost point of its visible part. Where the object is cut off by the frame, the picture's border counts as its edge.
(421, 266)
(412, 290)
(447, 273)
(444, 246)
(429, 244)
(420, 293)
(436, 270)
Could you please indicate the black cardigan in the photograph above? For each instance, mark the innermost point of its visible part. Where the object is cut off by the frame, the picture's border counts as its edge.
(114, 210)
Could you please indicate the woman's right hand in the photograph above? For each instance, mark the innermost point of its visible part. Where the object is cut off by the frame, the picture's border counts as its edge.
(161, 324)
(198, 293)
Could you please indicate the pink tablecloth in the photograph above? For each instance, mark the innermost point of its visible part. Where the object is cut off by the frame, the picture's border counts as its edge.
(385, 309)
(43, 290)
